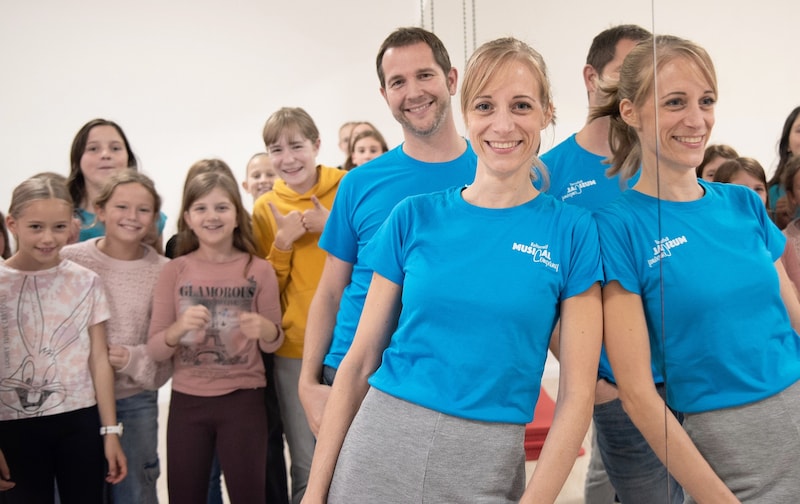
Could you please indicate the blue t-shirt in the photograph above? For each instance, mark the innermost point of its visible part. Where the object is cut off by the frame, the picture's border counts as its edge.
(365, 198)
(480, 296)
(95, 229)
(775, 192)
(726, 331)
(578, 177)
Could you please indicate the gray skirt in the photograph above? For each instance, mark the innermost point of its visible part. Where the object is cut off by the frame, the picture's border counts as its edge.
(398, 452)
(755, 448)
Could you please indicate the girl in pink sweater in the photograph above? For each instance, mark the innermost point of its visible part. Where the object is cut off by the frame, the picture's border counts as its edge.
(215, 307)
(128, 206)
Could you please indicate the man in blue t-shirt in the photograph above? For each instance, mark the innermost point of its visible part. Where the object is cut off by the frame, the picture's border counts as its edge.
(577, 174)
(417, 83)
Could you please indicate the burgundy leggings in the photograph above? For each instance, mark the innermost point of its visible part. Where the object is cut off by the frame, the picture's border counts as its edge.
(235, 425)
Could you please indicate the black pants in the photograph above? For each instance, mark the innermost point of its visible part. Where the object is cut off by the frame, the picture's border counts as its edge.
(66, 447)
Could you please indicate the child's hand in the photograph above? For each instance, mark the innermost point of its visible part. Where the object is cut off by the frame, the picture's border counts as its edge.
(784, 212)
(74, 230)
(255, 327)
(117, 463)
(315, 218)
(118, 356)
(5, 474)
(193, 319)
(290, 227)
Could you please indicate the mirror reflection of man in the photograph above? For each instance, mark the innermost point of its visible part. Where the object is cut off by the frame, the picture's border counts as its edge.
(622, 465)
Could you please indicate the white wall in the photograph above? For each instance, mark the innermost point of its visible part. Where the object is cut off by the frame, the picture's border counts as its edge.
(193, 79)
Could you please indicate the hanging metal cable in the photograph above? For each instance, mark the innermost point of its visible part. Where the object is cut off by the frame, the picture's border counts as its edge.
(474, 32)
(467, 52)
(660, 233)
(422, 14)
(464, 24)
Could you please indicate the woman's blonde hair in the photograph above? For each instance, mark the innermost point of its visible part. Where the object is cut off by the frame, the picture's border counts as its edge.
(637, 83)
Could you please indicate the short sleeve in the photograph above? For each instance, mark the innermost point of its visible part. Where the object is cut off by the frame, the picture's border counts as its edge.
(773, 237)
(385, 252)
(585, 265)
(339, 238)
(616, 252)
(102, 310)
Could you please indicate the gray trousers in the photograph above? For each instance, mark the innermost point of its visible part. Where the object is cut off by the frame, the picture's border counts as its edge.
(398, 452)
(753, 448)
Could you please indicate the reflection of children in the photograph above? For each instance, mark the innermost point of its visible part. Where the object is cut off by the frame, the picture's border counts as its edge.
(56, 387)
(788, 147)
(746, 172)
(749, 173)
(5, 246)
(713, 156)
(214, 307)
(791, 181)
(127, 207)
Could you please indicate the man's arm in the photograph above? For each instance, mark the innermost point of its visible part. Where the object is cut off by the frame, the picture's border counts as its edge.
(319, 333)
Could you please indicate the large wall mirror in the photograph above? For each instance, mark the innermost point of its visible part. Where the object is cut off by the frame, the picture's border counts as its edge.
(195, 79)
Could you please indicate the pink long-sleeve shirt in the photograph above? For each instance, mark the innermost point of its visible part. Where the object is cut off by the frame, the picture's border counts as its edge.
(219, 359)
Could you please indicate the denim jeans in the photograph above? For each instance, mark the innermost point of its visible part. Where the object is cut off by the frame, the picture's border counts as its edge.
(632, 466)
(139, 415)
(215, 483)
(597, 487)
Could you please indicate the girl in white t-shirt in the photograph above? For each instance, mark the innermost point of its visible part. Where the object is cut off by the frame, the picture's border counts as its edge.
(56, 383)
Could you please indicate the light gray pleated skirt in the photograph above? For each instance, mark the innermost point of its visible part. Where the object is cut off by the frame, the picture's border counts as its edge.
(755, 448)
(398, 452)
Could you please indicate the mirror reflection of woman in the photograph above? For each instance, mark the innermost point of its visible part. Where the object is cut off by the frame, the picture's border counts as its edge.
(714, 156)
(431, 401)
(694, 276)
(788, 146)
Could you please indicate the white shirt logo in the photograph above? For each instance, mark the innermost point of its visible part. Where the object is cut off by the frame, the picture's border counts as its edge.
(540, 253)
(577, 187)
(664, 248)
